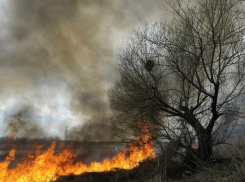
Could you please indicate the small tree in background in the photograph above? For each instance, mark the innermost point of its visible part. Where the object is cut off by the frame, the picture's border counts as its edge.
(184, 78)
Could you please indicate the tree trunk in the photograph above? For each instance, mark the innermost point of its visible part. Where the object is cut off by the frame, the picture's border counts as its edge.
(204, 145)
(204, 136)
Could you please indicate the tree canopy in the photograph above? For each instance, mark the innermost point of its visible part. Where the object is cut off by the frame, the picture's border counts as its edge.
(184, 78)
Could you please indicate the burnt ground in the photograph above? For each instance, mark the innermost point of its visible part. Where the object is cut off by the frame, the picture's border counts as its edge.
(146, 171)
(119, 175)
(222, 170)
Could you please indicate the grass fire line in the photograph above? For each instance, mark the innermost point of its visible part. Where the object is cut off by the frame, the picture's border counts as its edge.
(48, 166)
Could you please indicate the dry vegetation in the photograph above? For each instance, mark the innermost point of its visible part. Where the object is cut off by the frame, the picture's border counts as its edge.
(166, 168)
(186, 80)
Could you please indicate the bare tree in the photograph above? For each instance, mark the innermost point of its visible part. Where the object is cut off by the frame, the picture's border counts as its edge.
(185, 77)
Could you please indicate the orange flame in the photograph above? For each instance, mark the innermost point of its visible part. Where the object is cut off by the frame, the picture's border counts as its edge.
(194, 146)
(49, 166)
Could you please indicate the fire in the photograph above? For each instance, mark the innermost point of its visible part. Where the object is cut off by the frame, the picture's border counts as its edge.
(194, 146)
(48, 166)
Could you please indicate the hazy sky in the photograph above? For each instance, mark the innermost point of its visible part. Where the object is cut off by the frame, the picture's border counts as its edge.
(58, 59)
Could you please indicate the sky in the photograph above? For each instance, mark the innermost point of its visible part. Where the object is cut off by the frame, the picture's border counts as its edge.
(57, 62)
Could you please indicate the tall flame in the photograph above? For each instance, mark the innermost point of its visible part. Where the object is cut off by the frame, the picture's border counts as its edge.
(48, 166)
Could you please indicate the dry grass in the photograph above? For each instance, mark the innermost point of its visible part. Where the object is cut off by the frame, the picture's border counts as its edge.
(228, 171)
(222, 170)
(238, 166)
(142, 173)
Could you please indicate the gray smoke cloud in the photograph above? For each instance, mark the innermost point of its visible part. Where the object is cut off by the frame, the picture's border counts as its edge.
(57, 58)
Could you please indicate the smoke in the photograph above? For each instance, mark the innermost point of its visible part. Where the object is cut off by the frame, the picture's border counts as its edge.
(91, 131)
(23, 119)
(57, 58)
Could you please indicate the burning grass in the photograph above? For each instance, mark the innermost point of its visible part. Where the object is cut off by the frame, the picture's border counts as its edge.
(49, 165)
(144, 171)
(148, 170)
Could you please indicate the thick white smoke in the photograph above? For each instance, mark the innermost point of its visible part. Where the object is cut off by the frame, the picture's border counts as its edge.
(57, 58)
